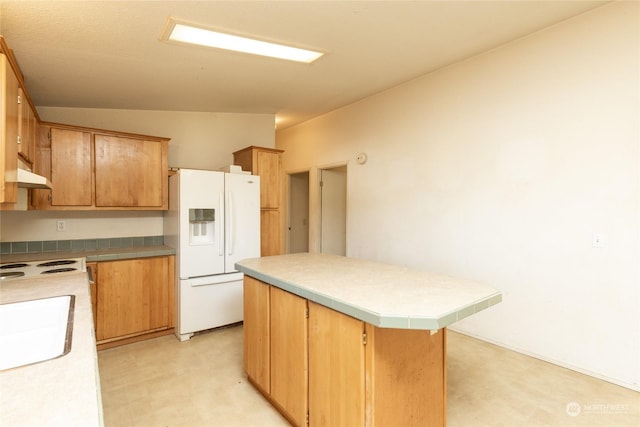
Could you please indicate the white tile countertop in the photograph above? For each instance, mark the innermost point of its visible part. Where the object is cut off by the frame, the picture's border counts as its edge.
(387, 296)
(59, 392)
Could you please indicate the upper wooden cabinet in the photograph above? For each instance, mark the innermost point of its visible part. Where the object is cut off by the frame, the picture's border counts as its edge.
(18, 129)
(267, 164)
(27, 128)
(98, 169)
(9, 115)
(71, 168)
(130, 172)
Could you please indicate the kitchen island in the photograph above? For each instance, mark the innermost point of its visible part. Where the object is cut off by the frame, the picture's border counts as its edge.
(337, 341)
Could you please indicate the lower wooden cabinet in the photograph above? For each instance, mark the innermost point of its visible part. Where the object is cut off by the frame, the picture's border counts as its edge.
(289, 377)
(336, 368)
(257, 339)
(320, 367)
(134, 299)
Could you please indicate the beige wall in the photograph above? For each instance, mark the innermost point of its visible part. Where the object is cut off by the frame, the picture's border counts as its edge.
(198, 141)
(500, 168)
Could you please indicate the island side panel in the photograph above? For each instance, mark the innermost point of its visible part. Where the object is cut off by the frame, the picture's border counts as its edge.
(406, 377)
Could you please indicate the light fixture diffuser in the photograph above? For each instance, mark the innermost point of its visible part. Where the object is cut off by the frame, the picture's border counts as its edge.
(186, 33)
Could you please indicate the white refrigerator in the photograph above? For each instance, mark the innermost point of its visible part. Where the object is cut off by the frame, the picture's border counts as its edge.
(213, 221)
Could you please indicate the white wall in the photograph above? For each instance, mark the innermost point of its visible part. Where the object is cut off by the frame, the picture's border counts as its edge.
(500, 168)
(198, 141)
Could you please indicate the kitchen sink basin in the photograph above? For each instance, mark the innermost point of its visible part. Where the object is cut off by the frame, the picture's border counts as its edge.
(36, 330)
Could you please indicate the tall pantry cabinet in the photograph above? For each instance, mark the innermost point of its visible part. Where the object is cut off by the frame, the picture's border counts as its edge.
(266, 163)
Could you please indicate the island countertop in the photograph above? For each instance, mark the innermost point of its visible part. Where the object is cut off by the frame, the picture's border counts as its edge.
(384, 295)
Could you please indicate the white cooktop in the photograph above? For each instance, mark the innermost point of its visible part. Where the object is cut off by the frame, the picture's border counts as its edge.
(31, 269)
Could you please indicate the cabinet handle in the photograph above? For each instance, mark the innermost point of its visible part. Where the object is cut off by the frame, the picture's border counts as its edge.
(220, 225)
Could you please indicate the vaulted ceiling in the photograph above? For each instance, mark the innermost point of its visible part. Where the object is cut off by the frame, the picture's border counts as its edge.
(108, 54)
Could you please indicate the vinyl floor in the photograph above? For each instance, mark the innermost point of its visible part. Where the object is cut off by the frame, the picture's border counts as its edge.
(200, 383)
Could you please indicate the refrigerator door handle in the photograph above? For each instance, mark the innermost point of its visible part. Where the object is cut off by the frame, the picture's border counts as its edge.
(230, 232)
(220, 224)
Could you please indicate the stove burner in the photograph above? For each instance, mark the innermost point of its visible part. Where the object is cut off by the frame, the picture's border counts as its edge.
(11, 274)
(55, 263)
(58, 270)
(8, 266)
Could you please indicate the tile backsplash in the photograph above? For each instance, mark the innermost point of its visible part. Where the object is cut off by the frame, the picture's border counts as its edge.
(78, 245)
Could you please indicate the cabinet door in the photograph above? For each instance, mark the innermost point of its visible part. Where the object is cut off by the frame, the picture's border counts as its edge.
(130, 172)
(26, 128)
(41, 199)
(268, 168)
(289, 369)
(256, 330)
(269, 232)
(336, 368)
(71, 173)
(9, 113)
(133, 296)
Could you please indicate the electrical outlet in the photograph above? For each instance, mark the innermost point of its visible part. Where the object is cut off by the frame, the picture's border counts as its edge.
(597, 240)
(61, 226)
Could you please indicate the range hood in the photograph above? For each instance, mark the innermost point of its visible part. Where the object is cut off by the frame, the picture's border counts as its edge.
(27, 179)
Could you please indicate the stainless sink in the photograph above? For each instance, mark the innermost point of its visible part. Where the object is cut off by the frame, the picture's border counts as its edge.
(36, 330)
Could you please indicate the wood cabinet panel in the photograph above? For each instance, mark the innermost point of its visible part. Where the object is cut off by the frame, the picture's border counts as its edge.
(71, 168)
(289, 371)
(27, 128)
(270, 232)
(41, 199)
(256, 330)
(133, 296)
(9, 115)
(93, 290)
(130, 172)
(396, 375)
(336, 368)
(266, 163)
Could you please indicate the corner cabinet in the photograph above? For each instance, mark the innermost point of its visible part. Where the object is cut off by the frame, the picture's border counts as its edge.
(267, 164)
(133, 299)
(320, 367)
(93, 169)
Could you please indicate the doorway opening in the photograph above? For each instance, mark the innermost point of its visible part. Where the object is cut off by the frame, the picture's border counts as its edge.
(333, 207)
(298, 212)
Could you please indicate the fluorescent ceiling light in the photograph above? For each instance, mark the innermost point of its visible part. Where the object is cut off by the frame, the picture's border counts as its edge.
(185, 33)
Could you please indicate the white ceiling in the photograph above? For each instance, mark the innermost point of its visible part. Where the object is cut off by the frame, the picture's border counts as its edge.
(107, 54)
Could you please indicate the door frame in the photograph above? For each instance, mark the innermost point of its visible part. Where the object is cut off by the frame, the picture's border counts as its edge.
(337, 165)
(289, 204)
